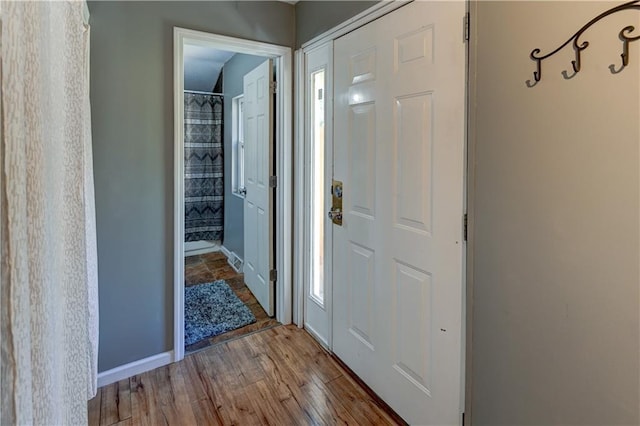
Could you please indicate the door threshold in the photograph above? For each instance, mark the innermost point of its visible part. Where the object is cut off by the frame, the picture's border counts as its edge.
(231, 339)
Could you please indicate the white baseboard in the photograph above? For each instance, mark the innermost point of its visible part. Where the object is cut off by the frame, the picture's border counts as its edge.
(133, 368)
(231, 257)
(201, 251)
(225, 251)
(201, 248)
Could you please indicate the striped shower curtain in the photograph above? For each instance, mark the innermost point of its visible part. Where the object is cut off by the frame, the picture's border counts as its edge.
(204, 177)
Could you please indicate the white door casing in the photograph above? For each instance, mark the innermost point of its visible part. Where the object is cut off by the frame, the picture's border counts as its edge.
(318, 174)
(398, 258)
(258, 168)
(283, 146)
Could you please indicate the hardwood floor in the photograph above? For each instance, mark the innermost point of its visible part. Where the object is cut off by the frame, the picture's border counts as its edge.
(279, 376)
(206, 268)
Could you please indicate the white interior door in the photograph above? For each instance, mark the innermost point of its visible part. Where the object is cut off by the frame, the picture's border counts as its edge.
(398, 258)
(258, 168)
(318, 173)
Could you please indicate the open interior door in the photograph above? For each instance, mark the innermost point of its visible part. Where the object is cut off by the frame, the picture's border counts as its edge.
(258, 169)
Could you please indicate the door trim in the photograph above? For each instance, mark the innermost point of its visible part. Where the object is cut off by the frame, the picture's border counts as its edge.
(363, 18)
(301, 209)
(284, 160)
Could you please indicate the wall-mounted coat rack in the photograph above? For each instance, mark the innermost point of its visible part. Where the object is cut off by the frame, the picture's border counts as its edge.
(578, 46)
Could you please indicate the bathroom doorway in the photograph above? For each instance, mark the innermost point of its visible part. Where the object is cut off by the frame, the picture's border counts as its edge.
(225, 297)
(231, 179)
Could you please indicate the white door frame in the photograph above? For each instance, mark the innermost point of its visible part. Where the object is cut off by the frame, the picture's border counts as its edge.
(283, 151)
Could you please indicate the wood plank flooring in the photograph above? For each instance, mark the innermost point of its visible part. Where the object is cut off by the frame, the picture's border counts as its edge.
(278, 376)
(209, 267)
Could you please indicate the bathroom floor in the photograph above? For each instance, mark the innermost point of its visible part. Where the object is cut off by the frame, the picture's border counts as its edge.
(209, 267)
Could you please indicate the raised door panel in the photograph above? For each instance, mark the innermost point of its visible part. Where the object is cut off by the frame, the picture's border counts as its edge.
(412, 326)
(362, 160)
(361, 293)
(412, 165)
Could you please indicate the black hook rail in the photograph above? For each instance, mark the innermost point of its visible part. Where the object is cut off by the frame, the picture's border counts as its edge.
(578, 47)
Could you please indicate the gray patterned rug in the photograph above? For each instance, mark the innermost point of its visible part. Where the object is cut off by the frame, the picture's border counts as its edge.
(211, 309)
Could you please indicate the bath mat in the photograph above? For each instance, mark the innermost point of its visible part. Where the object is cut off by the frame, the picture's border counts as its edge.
(211, 309)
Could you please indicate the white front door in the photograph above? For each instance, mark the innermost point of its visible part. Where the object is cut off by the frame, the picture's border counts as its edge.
(258, 168)
(398, 257)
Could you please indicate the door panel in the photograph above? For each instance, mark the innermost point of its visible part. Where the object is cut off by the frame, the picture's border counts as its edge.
(258, 204)
(397, 259)
(412, 331)
(362, 158)
(360, 313)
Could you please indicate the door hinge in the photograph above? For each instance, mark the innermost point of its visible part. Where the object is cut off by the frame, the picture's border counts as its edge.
(274, 87)
(465, 226)
(273, 275)
(467, 27)
(273, 181)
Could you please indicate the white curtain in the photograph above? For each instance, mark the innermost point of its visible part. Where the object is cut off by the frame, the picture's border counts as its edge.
(48, 292)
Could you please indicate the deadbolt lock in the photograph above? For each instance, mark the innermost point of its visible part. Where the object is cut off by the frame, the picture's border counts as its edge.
(336, 203)
(336, 217)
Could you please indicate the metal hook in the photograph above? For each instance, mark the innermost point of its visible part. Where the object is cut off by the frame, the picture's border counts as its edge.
(576, 64)
(626, 40)
(625, 54)
(537, 75)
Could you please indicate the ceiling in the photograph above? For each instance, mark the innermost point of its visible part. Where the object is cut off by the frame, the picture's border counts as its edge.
(202, 66)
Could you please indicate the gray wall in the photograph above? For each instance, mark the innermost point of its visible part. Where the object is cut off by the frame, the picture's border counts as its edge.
(555, 228)
(232, 83)
(132, 112)
(315, 17)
